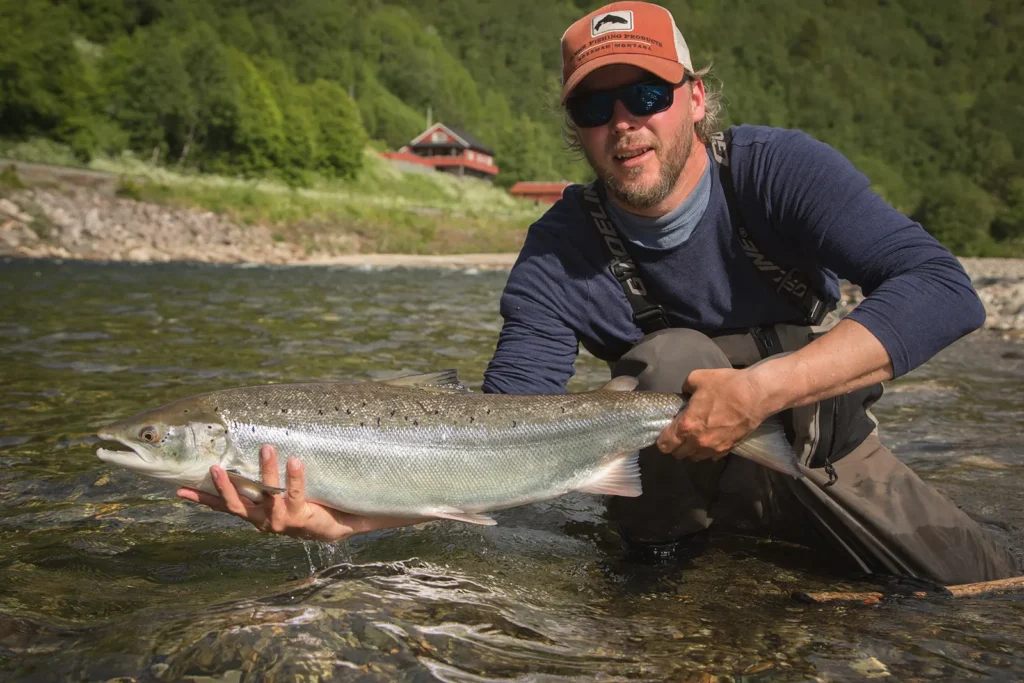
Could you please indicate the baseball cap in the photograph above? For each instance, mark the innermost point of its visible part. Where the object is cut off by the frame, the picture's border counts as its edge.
(637, 33)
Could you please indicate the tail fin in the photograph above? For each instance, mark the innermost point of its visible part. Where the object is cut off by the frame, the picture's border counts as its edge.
(767, 445)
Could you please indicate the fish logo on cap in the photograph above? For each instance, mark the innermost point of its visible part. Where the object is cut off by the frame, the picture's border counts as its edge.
(612, 21)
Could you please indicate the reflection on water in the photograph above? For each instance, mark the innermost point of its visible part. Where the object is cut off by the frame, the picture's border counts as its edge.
(108, 575)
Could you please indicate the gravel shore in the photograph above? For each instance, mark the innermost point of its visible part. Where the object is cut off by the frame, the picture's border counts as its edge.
(83, 222)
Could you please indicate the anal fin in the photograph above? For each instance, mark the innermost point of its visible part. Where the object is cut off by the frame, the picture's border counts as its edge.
(620, 478)
(461, 516)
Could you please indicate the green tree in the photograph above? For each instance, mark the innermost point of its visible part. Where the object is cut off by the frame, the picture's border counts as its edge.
(958, 213)
(385, 116)
(214, 93)
(41, 73)
(254, 137)
(148, 88)
(341, 138)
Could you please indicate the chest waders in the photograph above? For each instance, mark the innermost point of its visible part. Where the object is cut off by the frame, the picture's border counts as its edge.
(856, 497)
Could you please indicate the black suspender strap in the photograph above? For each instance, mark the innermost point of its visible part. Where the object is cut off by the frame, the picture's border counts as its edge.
(791, 284)
(649, 316)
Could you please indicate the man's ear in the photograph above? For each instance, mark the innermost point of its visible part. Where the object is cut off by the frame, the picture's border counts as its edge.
(697, 98)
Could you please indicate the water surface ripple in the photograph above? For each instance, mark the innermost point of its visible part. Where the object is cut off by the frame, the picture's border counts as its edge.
(107, 575)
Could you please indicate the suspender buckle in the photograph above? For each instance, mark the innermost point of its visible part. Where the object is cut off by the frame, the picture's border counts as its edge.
(651, 319)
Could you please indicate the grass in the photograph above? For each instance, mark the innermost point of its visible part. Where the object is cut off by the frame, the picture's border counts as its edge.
(387, 210)
(384, 210)
(10, 180)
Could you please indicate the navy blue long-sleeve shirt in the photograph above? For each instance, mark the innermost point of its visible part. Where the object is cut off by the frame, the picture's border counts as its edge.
(805, 205)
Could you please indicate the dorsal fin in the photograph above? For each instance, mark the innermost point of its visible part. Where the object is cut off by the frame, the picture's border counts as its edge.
(621, 383)
(447, 380)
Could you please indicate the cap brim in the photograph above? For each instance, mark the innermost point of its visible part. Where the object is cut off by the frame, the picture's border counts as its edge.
(666, 69)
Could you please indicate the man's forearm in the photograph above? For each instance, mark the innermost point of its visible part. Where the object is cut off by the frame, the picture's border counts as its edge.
(846, 358)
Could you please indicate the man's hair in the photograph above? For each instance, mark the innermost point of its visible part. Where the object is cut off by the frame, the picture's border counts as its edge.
(704, 128)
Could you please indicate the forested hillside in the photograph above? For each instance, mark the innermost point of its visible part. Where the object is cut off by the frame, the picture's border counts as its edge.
(925, 96)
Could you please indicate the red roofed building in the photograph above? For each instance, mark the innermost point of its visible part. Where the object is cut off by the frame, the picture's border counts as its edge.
(450, 150)
(548, 193)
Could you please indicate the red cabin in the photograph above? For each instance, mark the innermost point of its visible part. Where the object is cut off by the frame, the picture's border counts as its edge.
(450, 150)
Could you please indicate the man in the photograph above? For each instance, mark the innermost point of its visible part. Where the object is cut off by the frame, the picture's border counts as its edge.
(669, 268)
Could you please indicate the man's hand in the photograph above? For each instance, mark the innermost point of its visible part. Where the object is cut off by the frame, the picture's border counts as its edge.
(290, 514)
(725, 405)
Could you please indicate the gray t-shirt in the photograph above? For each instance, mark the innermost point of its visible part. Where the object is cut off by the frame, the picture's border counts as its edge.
(672, 229)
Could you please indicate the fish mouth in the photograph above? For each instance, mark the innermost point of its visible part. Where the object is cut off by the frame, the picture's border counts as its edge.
(121, 453)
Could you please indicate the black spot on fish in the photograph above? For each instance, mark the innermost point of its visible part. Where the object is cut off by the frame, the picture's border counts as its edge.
(320, 412)
(415, 423)
(186, 410)
(472, 418)
(378, 423)
(488, 411)
(284, 410)
(335, 408)
(364, 404)
(392, 412)
(437, 412)
(563, 410)
(348, 411)
(514, 423)
(216, 409)
(253, 430)
(361, 424)
(265, 403)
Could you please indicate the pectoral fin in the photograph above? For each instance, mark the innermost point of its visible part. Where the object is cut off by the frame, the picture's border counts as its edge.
(250, 488)
(620, 478)
(460, 516)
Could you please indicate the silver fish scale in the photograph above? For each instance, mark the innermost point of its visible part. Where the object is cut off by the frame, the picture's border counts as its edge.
(380, 449)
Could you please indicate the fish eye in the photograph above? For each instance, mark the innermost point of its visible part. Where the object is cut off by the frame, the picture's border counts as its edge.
(149, 434)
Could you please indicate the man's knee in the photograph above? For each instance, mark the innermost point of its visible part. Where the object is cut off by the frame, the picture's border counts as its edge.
(662, 361)
(676, 493)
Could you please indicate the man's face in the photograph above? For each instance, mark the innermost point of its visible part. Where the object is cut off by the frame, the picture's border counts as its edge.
(640, 158)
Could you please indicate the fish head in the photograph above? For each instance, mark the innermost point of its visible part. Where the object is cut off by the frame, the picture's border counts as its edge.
(172, 443)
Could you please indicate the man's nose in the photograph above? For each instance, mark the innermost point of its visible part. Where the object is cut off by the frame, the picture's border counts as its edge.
(622, 119)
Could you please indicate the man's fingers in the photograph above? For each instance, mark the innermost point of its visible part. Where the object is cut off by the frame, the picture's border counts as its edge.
(296, 489)
(268, 466)
(217, 503)
(672, 437)
(232, 501)
(210, 501)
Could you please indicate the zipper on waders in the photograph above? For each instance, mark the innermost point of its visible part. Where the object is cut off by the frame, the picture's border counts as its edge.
(830, 469)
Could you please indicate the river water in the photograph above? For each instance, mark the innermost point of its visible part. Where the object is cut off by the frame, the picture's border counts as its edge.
(107, 575)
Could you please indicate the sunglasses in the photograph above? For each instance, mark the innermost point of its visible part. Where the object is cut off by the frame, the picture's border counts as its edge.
(592, 109)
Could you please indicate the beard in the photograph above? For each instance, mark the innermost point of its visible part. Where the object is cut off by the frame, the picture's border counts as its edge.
(630, 193)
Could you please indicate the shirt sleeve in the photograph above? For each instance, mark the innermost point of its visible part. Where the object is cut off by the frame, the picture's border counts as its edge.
(537, 346)
(918, 299)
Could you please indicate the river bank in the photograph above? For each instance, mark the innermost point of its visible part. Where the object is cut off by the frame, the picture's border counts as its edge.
(83, 217)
